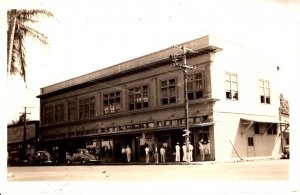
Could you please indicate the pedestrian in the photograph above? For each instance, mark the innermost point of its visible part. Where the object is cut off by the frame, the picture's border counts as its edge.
(207, 150)
(184, 150)
(191, 148)
(201, 148)
(162, 154)
(177, 153)
(128, 153)
(123, 154)
(106, 153)
(156, 159)
(147, 153)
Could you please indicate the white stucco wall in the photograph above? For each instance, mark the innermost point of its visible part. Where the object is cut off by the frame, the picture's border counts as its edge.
(250, 68)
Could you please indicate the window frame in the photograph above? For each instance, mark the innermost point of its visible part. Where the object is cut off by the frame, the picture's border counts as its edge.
(192, 86)
(168, 91)
(48, 115)
(87, 107)
(111, 102)
(59, 113)
(264, 91)
(138, 97)
(230, 92)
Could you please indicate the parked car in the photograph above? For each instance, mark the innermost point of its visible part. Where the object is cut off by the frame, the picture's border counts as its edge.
(41, 158)
(14, 158)
(286, 152)
(83, 157)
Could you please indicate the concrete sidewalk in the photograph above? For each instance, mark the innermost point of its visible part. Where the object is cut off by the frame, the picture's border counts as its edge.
(233, 160)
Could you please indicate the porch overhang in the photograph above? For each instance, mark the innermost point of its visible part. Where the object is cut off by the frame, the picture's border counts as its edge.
(250, 122)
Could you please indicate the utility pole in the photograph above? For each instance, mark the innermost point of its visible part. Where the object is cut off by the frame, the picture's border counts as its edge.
(24, 114)
(184, 67)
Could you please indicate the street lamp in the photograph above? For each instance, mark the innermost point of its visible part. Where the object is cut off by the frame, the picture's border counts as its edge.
(184, 67)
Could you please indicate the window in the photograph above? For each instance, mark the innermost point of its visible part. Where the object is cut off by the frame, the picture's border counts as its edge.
(264, 91)
(231, 86)
(138, 98)
(195, 86)
(168, 91)
(59, 113)
(256, 128)
(272, 130)
(87, 108)
(48, 115)
(250, 141)
(112, 102)
(71, 110)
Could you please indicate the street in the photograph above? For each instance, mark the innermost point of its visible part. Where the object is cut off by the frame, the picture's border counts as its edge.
(230, 177)
(249, 170)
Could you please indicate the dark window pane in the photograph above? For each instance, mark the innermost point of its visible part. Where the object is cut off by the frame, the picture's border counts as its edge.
(172, 100)
(165, 101)
(268, 101)
(228, 94)
(262, 99)
(199, 94)
(190, 95)
(256, 128)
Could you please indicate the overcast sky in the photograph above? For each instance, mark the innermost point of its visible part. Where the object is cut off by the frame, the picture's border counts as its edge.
(86, 36)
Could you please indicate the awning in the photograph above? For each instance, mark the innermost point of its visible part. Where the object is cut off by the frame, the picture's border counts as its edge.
(273, 121)
(250, 122)
(203, 124)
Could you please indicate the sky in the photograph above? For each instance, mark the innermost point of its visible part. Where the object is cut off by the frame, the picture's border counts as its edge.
(85, 36)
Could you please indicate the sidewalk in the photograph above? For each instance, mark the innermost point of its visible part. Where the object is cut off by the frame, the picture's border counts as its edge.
(233, 160)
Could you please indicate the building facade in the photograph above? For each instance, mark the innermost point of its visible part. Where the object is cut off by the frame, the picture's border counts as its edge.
(233, 105)
(17, 144)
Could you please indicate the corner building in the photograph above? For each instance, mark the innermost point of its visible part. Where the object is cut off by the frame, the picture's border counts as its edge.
(233, 103)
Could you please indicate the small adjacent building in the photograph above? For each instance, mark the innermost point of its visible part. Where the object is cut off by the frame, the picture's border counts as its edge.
(16, 144)
(233, 99)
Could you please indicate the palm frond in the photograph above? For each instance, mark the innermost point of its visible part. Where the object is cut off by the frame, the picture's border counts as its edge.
(34, 33)
(18, 30)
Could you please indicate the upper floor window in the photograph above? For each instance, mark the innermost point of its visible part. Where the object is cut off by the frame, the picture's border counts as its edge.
(168, 91)
(48, 115)
(112, 102)
(71, 110)
(231, 86)
(264, 91)
(195, 86)
(86, 107)
(272, 130)
(59, 113)
(138, 98)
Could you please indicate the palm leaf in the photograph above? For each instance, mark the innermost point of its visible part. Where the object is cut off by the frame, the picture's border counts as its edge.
(18, 29)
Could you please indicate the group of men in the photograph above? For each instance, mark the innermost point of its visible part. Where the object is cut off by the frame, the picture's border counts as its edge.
(204, 149)
(126, 154)
(154, 149)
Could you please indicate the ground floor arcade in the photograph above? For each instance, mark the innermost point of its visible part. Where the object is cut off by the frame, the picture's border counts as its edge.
(108, 147)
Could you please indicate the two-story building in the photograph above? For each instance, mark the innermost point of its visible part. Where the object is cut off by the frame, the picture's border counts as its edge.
(233, 104)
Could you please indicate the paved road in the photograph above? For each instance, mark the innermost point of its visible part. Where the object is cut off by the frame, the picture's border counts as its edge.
(274, 170)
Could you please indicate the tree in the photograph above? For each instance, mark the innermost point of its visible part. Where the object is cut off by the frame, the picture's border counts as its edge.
(18, 29)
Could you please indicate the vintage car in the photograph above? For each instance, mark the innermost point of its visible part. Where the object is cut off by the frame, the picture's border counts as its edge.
(83, 157)
(41, 158)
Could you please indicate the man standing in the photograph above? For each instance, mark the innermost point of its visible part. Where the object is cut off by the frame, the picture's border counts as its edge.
(162, 154)
(184, 148)
(191, 148)
(123, 153)
(201, 148)
(177, 153)
(128, 153)
(147, 153)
